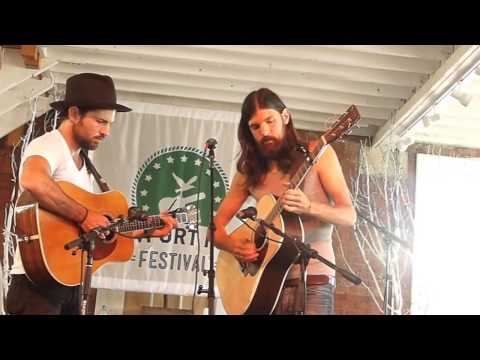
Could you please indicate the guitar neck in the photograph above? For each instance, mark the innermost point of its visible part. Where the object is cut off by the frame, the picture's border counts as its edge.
(303, 170)
(153, 221)
(298, 178)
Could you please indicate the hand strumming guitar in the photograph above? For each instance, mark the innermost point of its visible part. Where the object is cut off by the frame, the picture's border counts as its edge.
(243, 249)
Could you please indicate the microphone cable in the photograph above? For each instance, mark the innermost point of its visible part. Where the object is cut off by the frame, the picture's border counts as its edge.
(255, 230)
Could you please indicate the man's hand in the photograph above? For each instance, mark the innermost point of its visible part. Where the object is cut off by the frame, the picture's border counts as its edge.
(170, 223)
(243, 249)
(92, 220)
(295, 201)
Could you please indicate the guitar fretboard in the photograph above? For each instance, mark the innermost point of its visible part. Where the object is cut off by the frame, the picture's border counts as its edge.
(153, 221)
(297, 179)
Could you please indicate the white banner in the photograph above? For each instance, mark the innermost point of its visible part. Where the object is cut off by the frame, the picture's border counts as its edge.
(154, 156)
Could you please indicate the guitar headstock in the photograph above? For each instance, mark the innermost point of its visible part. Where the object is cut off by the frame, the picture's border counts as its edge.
(187, 216)
(343, 125)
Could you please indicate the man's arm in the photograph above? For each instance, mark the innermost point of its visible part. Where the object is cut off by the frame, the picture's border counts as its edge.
(229, 207)
(36, 179)
(331, 177)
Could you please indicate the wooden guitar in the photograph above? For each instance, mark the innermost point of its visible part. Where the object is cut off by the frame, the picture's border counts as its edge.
(254, 288)
(42, 235)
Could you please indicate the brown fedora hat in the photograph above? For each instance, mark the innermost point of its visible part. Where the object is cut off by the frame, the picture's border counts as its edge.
(90, 91)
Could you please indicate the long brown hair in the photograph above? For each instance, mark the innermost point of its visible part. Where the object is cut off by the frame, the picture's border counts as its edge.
(252, 162)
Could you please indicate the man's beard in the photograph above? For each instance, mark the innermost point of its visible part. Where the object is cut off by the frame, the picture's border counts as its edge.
(87, 144)
(280, 152)
(274, 150)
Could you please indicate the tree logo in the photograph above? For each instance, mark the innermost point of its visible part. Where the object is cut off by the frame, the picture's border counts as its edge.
(178, 176)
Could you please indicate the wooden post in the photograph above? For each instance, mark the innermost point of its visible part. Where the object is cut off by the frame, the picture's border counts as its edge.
(2, 51)
(31, 56)
(14, 136)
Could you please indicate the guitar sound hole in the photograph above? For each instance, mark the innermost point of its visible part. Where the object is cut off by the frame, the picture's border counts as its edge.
(105, 247)
(110, 237)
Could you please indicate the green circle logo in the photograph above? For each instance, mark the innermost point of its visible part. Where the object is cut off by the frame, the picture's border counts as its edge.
(175, 177)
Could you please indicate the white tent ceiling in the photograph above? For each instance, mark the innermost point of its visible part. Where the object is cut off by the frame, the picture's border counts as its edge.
(317, 82)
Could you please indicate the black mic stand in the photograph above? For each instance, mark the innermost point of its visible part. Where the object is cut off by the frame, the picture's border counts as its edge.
(86, 242)
(306, 253)
(388, 238)
(211, 272)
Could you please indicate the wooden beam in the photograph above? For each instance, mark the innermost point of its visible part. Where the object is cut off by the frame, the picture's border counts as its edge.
(2, 53)
(425, 52)
(463, 60)
(31, 56)
(194, 68)
(15, 72)
(234, 97)
(231, 85)
(267, 61)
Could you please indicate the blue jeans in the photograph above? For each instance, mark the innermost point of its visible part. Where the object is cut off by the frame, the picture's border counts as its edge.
(320, 300)
(24, 298)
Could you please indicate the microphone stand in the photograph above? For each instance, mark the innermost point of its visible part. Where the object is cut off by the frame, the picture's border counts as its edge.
(211, 227)
(306, 253)
(388, 238)
(86, 242)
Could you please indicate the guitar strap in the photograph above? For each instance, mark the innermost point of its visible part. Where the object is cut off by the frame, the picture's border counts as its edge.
(91, 169)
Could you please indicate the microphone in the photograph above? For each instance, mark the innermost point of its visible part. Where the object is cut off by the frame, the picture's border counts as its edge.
(211, 143)
(248, 213)
(91, 235)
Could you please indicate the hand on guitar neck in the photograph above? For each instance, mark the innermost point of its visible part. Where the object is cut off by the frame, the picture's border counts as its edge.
(94, 219)
(169, 224)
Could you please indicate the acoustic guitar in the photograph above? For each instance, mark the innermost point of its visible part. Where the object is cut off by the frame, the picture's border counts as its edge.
(42, 235)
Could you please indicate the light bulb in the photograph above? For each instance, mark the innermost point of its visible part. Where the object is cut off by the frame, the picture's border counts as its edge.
(405, 143)
(463, 97)
(429, 120)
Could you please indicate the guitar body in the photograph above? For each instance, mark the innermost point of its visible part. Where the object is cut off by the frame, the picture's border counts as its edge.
(254, 288)
(42, 236)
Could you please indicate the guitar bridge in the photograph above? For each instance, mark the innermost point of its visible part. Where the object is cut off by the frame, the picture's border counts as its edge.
(243, 268)
(248, 268)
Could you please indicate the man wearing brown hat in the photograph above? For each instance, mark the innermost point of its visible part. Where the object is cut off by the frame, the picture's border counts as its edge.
(88, 112)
